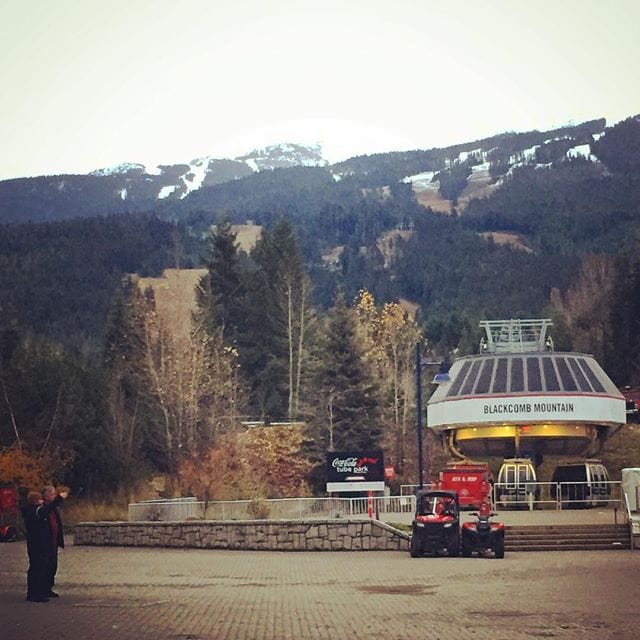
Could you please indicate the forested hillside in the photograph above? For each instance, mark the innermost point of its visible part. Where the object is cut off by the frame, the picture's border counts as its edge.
(309, 325)
(58, 279)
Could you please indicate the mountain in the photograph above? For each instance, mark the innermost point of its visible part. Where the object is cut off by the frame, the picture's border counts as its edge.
(132, 187)
(441, 178)
(444, 179)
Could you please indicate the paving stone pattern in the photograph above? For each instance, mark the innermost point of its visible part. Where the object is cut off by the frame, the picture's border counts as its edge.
(122, 593)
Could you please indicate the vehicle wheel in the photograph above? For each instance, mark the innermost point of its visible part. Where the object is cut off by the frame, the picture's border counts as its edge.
(499, 547)
(415, 550)
(454, 548)
(467, 548)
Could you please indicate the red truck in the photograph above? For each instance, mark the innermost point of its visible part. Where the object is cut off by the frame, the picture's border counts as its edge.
(632, 398)
(470, 480)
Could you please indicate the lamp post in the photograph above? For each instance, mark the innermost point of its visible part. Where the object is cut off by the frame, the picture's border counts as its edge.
(441, 376)
(419, 410)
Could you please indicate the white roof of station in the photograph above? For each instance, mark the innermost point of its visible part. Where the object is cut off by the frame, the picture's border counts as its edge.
(516, 381)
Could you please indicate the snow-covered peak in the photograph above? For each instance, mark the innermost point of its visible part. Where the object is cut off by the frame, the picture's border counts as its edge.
(284, 155)
(124, 167)
(179, 180)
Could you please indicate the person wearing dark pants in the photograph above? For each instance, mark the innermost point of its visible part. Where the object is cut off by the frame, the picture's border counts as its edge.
(52, 499)
(35, 514)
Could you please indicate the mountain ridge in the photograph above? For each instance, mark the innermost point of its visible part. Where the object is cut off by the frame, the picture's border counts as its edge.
(134, 187)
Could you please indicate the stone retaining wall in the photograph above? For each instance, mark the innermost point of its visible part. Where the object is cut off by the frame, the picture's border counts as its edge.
(263, 535)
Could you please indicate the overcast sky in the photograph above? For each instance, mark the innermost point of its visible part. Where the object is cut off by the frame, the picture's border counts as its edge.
(88, 84)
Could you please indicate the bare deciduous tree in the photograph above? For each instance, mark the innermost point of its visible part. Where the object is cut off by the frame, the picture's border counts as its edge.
(585, 306)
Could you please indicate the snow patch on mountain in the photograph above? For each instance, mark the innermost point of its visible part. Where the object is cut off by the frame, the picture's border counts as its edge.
(463, 156)
(165, 192)
(422, 181)
(193, 179)
(478, 168)
(480, 173)
(582, 151)
(524, 157)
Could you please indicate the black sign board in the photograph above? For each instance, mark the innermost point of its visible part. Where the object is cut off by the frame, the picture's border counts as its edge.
(355, 466)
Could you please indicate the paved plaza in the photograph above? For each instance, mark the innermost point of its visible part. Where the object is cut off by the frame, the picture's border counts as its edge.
(169, 594)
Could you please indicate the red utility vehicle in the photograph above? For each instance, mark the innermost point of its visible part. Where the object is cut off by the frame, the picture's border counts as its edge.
(470, 480)
(482, 534)
(436, 525)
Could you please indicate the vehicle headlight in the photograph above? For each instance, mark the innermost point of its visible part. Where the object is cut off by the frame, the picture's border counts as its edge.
(419, 524)
(446, 526)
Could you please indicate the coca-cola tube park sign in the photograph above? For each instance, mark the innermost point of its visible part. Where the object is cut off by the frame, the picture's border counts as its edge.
(355, 471)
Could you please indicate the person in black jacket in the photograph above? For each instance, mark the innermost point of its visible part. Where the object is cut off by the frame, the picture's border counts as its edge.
(52, 500)
(39, 548)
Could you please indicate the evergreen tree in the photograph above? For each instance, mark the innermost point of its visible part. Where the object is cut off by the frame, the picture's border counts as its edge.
(619, 148)
(349, 415)
(131, 416)
(622, 356)
(52, 408)
(221, 296)
(274, 349)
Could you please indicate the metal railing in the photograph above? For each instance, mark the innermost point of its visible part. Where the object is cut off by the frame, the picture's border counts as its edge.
(530, 495)
(170, 509)
(381, 507)
(559, 495)
(410, 489)
(589, 494)
(630, 520)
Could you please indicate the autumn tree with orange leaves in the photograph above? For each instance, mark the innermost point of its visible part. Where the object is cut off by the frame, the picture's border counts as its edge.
(390, 335)
(31, 471)
(262, 462)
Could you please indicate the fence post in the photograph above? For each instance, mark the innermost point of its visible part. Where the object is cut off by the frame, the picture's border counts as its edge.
(559, 496)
